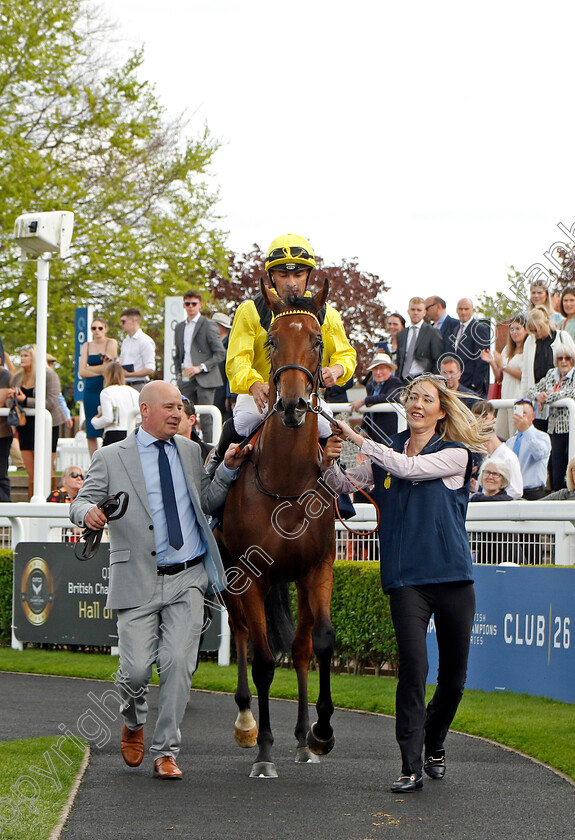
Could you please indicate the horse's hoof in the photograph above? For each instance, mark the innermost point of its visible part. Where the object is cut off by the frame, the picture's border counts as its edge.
(305, 756)
(263, 770)
(246, 729)
(246, 737)
(317, 745)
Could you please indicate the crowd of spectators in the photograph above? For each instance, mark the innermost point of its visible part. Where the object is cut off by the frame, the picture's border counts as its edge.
(535, 368)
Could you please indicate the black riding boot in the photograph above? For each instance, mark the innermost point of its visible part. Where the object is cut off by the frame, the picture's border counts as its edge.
(229, 435)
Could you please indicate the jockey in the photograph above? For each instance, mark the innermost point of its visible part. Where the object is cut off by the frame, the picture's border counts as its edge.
(289, 263)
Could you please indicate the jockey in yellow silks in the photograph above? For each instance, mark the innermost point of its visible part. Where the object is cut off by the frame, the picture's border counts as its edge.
(289, 263)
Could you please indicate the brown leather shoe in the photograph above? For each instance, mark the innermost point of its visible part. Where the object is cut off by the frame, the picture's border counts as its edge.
(132, 746)
(165, 767)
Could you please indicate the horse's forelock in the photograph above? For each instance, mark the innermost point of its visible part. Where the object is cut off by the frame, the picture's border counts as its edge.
(296, 302)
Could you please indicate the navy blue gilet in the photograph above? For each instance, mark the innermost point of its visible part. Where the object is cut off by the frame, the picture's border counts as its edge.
(422, 532)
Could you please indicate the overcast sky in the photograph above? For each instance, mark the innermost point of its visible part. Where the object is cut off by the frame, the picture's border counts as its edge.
(432, 141)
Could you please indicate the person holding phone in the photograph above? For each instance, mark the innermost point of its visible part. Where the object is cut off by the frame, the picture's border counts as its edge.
(532, 447)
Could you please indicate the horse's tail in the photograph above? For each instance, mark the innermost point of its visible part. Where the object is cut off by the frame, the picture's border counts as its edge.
(279, 619)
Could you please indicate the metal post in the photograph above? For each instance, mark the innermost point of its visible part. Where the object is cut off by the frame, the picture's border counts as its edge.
(41, 480)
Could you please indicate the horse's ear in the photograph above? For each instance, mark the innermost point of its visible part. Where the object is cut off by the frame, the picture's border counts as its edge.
(273, 302)
(321, 296)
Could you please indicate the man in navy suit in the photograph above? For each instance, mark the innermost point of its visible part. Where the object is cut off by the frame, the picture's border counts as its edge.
(466, 342)
(436, 314)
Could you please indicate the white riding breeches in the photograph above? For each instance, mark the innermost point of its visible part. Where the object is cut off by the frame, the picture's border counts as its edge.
(247, 417)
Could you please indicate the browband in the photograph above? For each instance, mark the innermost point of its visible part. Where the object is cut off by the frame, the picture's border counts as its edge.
(298, 312)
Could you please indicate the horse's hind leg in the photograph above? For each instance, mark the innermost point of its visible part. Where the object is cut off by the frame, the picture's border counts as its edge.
(301, 654)
(320, 738)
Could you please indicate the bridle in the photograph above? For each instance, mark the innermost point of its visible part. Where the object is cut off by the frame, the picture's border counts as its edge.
(315, 377)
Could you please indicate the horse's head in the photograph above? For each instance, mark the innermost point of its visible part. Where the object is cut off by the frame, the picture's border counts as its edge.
(296, 348)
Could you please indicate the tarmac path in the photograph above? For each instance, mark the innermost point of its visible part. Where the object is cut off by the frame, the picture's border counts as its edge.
(489, 792)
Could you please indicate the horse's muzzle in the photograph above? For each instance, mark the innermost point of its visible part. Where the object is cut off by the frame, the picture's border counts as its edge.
(292, 412)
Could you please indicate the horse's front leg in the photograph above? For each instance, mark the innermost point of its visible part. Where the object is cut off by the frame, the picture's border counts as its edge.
(245, 729)
(263, 669)
(301, 655)
(320, 738)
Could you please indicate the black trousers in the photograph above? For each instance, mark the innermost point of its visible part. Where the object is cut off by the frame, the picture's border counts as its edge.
(5, 444)
(558, 460)
(453, 607)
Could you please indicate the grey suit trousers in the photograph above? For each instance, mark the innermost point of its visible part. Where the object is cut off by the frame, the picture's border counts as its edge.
(166, 631)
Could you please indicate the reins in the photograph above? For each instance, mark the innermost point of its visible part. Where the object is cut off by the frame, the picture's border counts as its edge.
(316, 382)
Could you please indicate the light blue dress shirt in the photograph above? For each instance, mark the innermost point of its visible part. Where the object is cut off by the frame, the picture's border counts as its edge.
(193, 539)
(533, 456)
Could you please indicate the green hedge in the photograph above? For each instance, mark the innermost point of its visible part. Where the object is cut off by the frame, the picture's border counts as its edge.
(359, 611)
(5, 595)
(361, 615)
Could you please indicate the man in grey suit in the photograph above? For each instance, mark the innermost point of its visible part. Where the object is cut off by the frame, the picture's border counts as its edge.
(163, 557)
(419, 346)
(197, 356)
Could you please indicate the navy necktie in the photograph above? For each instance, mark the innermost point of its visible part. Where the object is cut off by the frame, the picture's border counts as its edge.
(169, 497)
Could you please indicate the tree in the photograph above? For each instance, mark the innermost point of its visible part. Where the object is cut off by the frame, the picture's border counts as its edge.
(79, 133)
(357, 295)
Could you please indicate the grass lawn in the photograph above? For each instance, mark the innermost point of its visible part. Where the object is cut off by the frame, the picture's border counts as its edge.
(544, 729)
(32, 800)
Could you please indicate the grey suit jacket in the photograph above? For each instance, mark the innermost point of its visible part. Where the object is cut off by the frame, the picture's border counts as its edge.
(133, 567)
(207, 349)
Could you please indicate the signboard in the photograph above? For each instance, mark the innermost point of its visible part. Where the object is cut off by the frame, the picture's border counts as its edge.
(59, 599)
(173, 314)
(82, 334)
(523, 633)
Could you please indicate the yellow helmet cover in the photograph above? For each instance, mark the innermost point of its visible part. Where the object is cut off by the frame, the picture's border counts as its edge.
(288, 251)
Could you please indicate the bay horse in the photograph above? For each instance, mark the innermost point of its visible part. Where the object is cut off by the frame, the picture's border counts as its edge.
(278, 526)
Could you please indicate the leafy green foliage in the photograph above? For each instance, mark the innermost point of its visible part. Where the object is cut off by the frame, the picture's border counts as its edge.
(78, 133)
(5, 595)
(504, 305)
(361, 616)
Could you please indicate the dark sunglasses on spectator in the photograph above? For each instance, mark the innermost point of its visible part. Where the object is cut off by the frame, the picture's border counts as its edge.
(522, 401)
(76, 475)
(96, 328)
(191, 303)
(562, 358)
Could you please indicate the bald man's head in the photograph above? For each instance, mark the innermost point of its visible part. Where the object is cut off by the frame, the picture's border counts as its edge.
(161, 409)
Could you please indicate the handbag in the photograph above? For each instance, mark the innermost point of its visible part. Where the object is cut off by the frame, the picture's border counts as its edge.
(494, 391)
(16, 416)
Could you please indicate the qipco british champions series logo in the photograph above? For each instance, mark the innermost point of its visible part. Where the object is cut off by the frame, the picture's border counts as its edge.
(37, 591)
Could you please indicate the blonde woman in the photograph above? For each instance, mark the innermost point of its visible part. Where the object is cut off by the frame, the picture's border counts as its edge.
(118, 402)
(421, 484)
(539, 296)
(24, 389)
(538, 350)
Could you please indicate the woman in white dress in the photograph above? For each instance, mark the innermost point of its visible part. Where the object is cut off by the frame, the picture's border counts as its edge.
(118, 403)
(507, 367)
